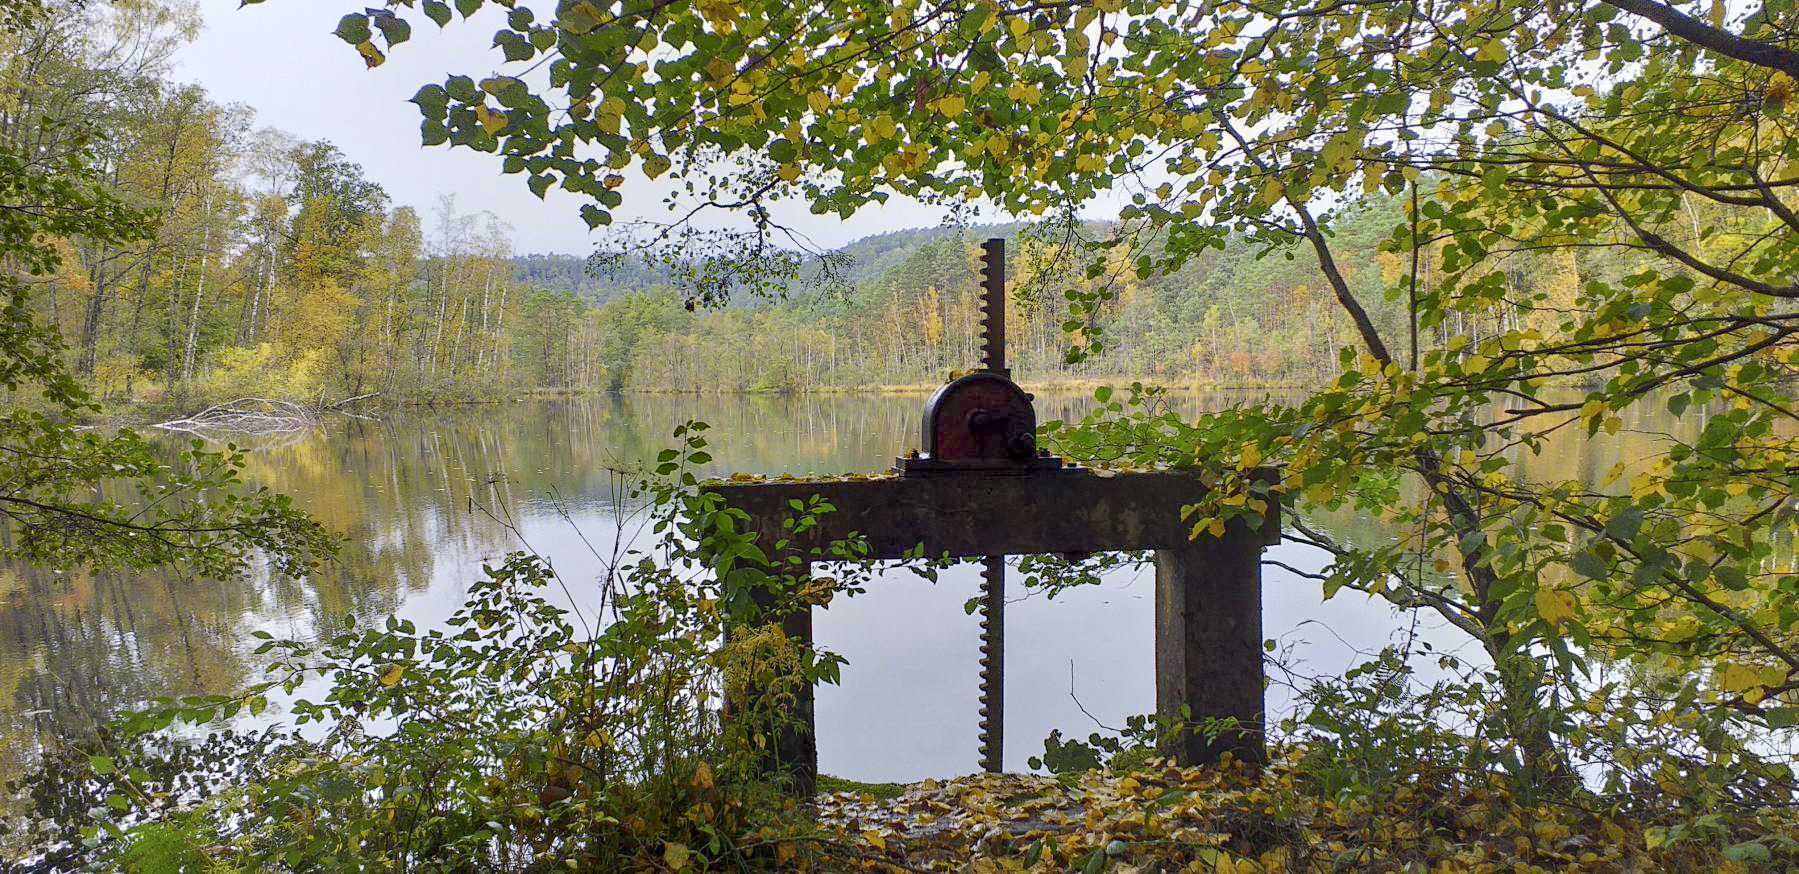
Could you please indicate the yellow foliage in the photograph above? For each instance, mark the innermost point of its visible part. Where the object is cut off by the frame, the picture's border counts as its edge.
(265, 371)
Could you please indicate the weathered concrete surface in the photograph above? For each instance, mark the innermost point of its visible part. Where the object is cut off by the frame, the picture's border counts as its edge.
(1209, 647)
(1208, 624)
(968, 515)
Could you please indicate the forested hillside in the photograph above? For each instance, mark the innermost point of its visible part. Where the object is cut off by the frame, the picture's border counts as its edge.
(909, 315)
(278, 268)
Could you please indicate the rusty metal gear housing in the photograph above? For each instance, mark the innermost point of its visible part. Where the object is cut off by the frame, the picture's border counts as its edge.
(979, 422)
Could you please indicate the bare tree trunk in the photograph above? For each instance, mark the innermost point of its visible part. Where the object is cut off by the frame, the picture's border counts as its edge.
(499, 322)
(486, 290)
(193, 322)
(90, 326)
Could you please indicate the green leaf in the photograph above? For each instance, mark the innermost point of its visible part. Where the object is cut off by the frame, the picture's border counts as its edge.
(353, 28)
(393, 28)
(1747, 851)
(102, 765)
(1587, 564)
(437, 11)
(433, 99)
(1625, 525)
(1096, 861)
(513, 46)
(462, 89)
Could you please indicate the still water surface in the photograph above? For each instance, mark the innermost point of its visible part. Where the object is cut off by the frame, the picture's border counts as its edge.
(404, 490)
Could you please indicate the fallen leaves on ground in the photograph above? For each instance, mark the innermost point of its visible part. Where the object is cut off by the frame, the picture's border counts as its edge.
(1225, 819)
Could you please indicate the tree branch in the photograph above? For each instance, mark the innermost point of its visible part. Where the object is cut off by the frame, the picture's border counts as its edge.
(1716, 39)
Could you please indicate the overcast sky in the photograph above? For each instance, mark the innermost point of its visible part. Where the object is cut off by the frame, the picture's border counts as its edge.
(280, 59)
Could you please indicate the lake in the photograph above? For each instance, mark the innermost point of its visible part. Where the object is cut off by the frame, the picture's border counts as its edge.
(406, 491)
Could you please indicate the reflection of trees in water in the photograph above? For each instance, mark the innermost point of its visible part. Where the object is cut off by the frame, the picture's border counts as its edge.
(1605, 462)
(76, 647)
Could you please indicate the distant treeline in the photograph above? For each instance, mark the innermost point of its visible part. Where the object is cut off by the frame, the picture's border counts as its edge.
(910, 315)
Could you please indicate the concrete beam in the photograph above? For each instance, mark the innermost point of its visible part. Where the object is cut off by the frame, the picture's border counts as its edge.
(968, 515)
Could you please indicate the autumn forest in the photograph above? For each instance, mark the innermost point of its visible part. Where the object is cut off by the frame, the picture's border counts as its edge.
(279, 269)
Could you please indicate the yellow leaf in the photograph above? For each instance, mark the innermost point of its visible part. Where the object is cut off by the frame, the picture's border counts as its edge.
(875, 840)
(393, 675)
(788, 172)
(1271, 192)
(675, 855)
(979, 81)
(703, 778)
(818, 101)
(1555, 607)
(1736, 678)
(952, 105)
(371, 56)
(491, 121)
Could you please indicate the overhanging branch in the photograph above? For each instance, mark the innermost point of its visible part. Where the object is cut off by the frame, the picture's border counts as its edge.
(1716, 39)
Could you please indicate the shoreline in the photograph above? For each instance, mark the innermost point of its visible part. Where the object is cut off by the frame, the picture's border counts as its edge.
(135, 413)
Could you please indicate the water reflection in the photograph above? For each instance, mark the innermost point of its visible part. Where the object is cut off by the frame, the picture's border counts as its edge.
(408, 492)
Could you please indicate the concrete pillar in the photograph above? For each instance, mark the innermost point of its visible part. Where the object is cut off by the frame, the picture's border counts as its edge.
(794, 751)
(796, 748)
(1209, 644)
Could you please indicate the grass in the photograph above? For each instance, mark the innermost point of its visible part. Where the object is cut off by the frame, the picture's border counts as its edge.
(881, 791)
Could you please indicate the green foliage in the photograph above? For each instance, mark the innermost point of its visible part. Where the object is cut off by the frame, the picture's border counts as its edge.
(191, 512)
(1142, 740)
(162, 849)
(80, 790)
(591, 732)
